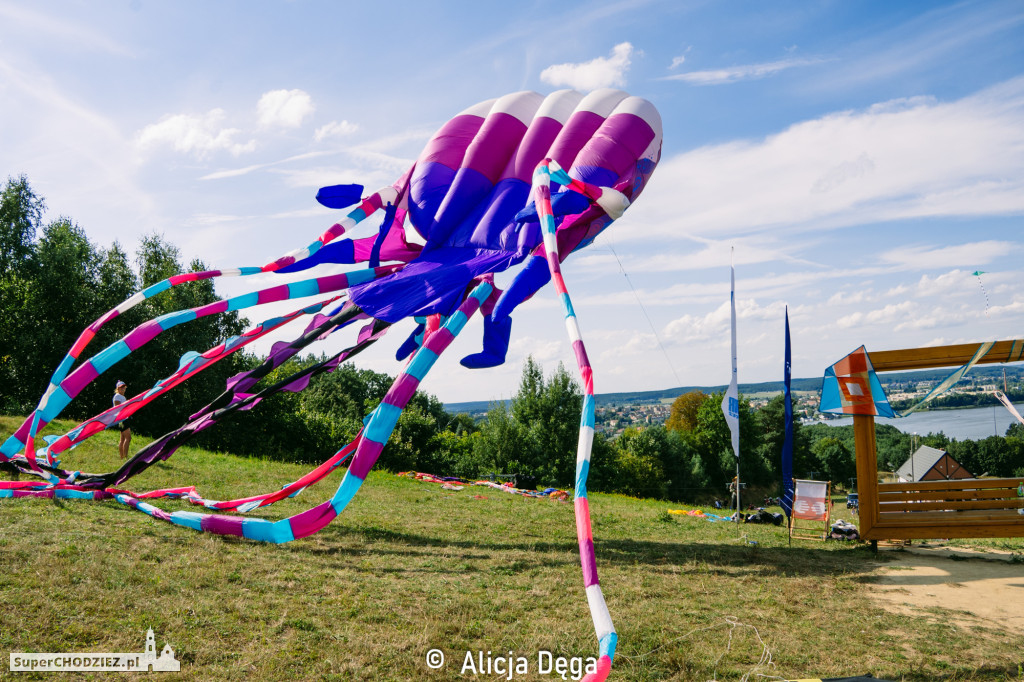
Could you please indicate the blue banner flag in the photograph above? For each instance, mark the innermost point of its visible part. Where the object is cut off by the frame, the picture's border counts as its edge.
(787, 444)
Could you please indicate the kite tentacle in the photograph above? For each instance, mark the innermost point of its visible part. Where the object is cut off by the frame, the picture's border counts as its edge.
(234, 400)
(69, 384)
(187, 370)
(603, 627)
(376, 432)
(24, 437)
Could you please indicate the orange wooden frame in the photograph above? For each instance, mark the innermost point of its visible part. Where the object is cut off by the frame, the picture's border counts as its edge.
(966, 508)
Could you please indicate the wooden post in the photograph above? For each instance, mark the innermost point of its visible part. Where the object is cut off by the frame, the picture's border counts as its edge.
(867, 472)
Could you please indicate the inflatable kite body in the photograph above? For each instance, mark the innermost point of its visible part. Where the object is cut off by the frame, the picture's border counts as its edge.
(517, 182)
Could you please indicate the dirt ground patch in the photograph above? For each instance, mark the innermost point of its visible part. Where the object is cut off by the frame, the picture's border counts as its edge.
(981, 590)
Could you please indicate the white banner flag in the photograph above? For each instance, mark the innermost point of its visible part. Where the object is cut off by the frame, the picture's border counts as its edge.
(731, 401)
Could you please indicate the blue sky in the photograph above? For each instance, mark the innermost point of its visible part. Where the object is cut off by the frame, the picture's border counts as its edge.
(863, 159)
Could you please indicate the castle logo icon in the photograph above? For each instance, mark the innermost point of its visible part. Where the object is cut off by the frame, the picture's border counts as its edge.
(165, 662)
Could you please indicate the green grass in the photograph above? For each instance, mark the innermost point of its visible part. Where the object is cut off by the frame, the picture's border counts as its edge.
(410, 567)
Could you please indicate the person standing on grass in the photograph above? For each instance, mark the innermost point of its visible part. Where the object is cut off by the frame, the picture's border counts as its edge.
(122, 426)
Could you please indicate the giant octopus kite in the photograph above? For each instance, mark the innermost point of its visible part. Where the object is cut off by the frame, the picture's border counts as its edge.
(520, 181)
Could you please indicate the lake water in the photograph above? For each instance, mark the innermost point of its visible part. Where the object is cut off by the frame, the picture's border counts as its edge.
(974, 423)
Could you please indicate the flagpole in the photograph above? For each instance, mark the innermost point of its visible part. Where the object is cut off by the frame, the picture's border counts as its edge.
(787, 444)
(731, 402)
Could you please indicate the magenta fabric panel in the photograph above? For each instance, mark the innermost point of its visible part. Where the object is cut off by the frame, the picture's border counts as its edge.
(494, 145)
(440, 339)
(222, 525)
(617, 144)
(311, 520)
(79, 379)
(588, 563)
(533, 149)
(273, 294)
(214, 308)
(402, 391)
(332, 283)
(448, 146)
(577, 132)
(365, 457)
(143, 334)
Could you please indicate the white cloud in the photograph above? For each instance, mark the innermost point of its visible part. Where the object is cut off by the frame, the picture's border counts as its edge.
(976, 253)
(890, 313)
(284, 108)
(334, 129)
(198, 135)
(715, 324)
(677, 61)
(918, 159)
(737, 73)
(602, 72)
(851, 297)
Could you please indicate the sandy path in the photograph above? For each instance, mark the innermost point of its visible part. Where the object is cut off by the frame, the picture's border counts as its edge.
(984, 592)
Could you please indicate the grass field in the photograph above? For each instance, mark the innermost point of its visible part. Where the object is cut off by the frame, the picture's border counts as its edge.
(409, 568)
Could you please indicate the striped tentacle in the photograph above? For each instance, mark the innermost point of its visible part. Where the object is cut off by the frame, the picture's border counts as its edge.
(605, 631)
(199, 362)
(59, 395)
(378, 429)
(25, 435)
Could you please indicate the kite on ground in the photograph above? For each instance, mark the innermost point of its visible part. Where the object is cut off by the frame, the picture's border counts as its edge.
(520, 181)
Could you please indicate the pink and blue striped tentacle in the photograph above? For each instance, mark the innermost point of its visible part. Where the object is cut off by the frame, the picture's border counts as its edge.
(606, 636)
(38, 418)
(59, 395)
(376, 433)
(196, 364)
(247, 504)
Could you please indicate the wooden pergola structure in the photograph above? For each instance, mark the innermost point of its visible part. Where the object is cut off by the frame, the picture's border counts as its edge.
(967, 508)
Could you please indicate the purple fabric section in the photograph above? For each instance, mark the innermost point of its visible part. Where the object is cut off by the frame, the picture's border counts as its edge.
(439, 340)
(466, 195)
(79, 379)
(433, 283)
(160, 450)
(222, 525)
(616, 146)
(394, 248)
(581, 354)
(366, 456)
(402, 391)
(312, 520)
(427, 189)
(448, 146)
(212, 308)
(332, 283)
(302, 382)
(366, 333)
(587, 561)
(143, 334)
(274, 294)
(494, 145)
(577, 132)
(496, 227)
(533, 149)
